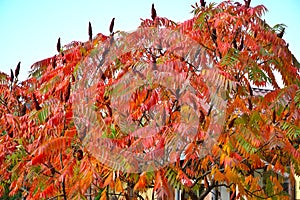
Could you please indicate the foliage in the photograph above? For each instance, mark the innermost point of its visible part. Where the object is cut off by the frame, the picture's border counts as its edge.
(42, 156)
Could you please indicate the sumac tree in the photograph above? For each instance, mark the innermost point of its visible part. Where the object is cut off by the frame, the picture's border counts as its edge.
(42, 154)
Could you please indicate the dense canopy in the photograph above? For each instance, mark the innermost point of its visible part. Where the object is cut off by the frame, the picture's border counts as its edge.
(168, 106)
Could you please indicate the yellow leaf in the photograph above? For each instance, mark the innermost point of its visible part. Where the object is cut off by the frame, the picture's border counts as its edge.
(226, 148)
(103, 195)
(222, 158)
(118, 186)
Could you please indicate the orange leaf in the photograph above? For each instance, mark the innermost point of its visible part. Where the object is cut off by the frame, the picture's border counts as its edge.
(70, 133)
(158, 181)
(141, 184)
(103, 195)
(108, 180)
(218, 176)
(38, 159)
(118, 186)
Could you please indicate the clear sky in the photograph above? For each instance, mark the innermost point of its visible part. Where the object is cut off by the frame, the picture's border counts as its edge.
(29, 29)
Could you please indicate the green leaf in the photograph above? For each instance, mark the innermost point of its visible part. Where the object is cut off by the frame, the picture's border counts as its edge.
(293, 131)
(43, 114)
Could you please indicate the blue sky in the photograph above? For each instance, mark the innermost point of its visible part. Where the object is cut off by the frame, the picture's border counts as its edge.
(29, 29)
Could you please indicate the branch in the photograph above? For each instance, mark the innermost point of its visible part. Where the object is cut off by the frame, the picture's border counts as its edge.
(213, 36)
(138, 195)
(260, 197)
(63, 185)
(202, 176)
(207, 48)
(207, 191)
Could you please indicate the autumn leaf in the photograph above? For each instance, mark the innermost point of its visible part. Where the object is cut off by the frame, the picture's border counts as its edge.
(141, 184)
(108, 180)
(236, 52)
(118, 186)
